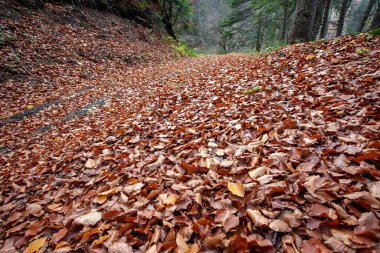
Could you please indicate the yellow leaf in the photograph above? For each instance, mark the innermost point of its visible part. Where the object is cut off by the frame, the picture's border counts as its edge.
(236, 189)
(29, 107)
(36, 245)
(310, 57)
(90, 233)
(99, 241)
(61, 244)
(193, 249)
(100, 199)
(167, 200)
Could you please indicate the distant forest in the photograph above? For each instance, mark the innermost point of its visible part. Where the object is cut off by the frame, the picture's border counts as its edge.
(246, 25)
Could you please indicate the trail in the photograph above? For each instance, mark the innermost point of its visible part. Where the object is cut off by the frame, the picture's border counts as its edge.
(178, 156)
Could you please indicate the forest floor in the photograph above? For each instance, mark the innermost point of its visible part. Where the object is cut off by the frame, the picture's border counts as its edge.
(269, 153)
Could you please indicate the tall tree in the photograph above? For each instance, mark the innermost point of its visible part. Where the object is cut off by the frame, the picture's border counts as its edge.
(366, 15)
(304, 20)
(326, 18)
(318, 18)
(288, 8)
(171, 11)
(376, 18)
(345, 4)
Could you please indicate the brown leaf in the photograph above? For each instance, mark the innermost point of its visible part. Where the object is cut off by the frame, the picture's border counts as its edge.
(231, 222)
(314, 245)
(280, 226)
(216, 241)
(257, 218)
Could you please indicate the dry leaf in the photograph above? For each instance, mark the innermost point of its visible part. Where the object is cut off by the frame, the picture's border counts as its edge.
(36, 245)
(89, 219)
(280, 226)
(236, 189)
(257, 218)
(90, 164)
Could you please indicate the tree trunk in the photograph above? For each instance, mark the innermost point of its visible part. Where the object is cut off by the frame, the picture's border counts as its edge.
(342, 16)
(325, 22)
(365, 17)
(285, 22)
(259, 34)
(318, 18)
(304, 20)
(376, 18)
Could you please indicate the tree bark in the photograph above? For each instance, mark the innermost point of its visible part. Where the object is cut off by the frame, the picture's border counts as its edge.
(342, 16)
(325, 22)
(318, 18)
(304, 20)
(285, 22)
(366, 15)
(376, 18)
(259, 34)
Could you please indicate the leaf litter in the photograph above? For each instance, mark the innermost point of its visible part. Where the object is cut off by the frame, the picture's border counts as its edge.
(187, 162)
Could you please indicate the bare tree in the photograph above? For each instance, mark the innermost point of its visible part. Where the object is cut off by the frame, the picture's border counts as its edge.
(366, 15)
(318, 18)
(376, 18)
(345, 4)
(304, 20)
(325, 21)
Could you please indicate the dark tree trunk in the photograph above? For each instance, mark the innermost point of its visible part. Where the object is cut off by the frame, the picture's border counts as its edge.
(318, 18)
(376, 18)
(304, 20)
(325, 21)
(259, 34)
(285, 22)
(169, 29)
(365, 17)
(342, 16)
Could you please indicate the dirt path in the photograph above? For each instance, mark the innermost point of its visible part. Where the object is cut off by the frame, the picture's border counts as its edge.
(181, 156)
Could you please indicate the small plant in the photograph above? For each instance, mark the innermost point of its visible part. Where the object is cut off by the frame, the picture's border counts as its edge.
(374, 33)
(362, 51)
(9, 68)
(182, 48)
(257, 89)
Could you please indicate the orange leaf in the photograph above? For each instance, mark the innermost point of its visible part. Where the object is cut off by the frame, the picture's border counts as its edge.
(236, 189)
(36, 245)
(99, 241)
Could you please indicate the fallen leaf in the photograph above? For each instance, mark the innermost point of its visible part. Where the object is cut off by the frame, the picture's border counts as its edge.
(257, 218)
(280, 226)
(89, 219)
(36, 245)
(236, 189)
(90, 164)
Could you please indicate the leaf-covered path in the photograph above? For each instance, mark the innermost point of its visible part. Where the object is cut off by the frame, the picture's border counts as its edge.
(178, 156)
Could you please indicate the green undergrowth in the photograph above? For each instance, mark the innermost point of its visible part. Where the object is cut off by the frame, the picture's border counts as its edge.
(257, 89)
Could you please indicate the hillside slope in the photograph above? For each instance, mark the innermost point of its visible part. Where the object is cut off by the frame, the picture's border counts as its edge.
(237, 153)
(60, 49)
